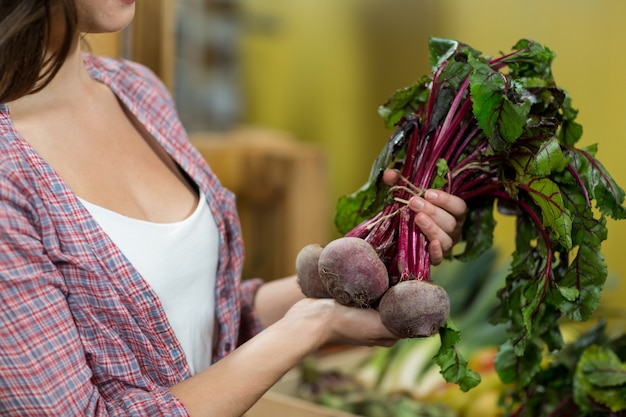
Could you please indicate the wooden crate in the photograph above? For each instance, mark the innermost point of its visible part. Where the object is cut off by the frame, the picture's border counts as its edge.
(277, 404)
(281, 188)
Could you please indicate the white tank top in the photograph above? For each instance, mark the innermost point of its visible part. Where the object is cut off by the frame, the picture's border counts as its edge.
(179, 261)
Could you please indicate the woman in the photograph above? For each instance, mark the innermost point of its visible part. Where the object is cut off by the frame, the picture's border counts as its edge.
(109, 302)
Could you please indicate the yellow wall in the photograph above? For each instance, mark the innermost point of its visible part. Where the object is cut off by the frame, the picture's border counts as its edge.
(320, 68)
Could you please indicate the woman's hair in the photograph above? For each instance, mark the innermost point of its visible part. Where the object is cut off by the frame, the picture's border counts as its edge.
(25, 66)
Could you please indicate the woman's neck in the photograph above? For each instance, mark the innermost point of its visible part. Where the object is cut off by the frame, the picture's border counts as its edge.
(71, 76)
(71, 83)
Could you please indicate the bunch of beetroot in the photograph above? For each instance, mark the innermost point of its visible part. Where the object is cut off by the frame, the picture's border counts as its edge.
(499, 133)
(349, 270)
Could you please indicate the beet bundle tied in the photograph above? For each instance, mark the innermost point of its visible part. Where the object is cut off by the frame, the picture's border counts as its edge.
(499, 133)
(350, 270)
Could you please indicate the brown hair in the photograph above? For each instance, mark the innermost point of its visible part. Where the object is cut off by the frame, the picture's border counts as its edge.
(24, 32)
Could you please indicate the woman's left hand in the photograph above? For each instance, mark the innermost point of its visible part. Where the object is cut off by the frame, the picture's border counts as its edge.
(439, 215)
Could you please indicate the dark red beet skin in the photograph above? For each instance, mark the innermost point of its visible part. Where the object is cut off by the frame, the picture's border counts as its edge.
(309, 279)
(414, 308)
(353, 272)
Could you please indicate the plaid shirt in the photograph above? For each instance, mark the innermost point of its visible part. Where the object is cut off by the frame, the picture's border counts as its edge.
(81, 333)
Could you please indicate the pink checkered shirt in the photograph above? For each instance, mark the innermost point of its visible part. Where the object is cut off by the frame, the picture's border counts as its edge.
(81, 333)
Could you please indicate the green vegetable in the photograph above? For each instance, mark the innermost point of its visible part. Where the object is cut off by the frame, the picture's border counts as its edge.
(601, 378)
(586, 378)
(341, 391)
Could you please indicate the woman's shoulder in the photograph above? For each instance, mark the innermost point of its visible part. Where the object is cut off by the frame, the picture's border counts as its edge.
(14, 155)
(122, 73)
(8, 134)
(113, 66)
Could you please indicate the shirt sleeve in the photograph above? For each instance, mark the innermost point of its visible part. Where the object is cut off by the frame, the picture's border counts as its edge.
(250, 322)
(43, 369)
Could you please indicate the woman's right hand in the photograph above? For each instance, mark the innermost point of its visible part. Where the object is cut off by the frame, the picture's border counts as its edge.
(337, 324)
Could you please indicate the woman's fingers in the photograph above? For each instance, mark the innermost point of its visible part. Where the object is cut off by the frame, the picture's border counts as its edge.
(439, 199)
(391, 176)
(436, 252)
(438, 214)
(449, 203)
(343, 325)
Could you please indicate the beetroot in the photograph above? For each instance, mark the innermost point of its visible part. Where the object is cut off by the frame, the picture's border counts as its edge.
(350, 270)
(414, 308)
(309, 279)
(353, 272)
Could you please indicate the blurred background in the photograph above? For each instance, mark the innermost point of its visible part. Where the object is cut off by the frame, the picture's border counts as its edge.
(282, 96)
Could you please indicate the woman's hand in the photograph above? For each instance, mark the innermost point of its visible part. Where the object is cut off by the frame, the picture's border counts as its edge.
(337, 324)
(438, 214)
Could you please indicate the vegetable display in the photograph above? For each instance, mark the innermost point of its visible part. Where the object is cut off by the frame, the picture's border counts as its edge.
(501, 134)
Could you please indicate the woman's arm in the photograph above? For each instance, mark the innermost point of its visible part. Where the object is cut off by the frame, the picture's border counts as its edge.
(274, 298)
(235, 383)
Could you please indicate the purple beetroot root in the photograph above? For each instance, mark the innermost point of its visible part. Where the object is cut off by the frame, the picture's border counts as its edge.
(353, 272)
(414, 308)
